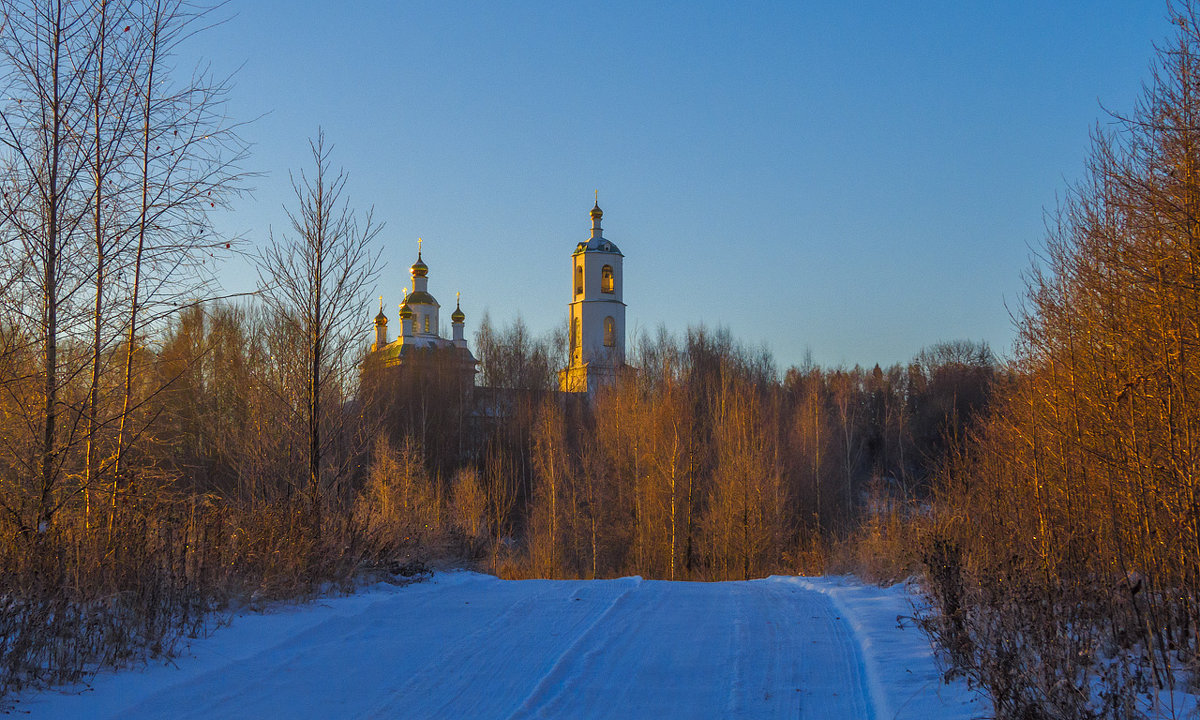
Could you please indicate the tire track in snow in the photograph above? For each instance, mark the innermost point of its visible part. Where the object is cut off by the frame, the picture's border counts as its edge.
(665, 653)
(735, 707)
(758, 649)
(872, 688)
(489, 672)
(553, 682)
(835, 682)
(768, 692)
(794, 657)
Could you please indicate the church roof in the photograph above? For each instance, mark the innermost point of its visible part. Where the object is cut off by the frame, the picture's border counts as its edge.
(598, 245)
(420, 297)
(402, 349)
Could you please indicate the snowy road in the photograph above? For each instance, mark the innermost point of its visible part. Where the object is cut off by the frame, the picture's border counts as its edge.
(472, 646)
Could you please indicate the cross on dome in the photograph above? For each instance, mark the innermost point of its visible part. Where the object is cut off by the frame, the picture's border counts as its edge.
(458, 316)
(419, 268)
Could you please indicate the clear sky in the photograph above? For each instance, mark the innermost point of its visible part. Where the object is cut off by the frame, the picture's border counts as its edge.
(854, 179)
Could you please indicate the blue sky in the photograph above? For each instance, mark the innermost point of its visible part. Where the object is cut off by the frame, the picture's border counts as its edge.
(858, 180)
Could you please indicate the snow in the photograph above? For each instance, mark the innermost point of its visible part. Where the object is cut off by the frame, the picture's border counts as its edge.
(466, 645)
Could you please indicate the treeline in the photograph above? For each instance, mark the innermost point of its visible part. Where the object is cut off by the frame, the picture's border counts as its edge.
(701, 462)
(1064, 553)
(704, 465)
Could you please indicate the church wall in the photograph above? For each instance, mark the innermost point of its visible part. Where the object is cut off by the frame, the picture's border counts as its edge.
(592, 307)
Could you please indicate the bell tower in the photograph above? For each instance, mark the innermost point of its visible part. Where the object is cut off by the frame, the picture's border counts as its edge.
(597, 312)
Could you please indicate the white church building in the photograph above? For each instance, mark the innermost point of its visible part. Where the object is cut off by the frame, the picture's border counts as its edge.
(419, 339)
(597, 321)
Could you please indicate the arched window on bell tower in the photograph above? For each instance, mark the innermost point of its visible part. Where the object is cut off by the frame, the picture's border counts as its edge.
(610, 332)
(578, 279)
(574, 336)
(606, 279)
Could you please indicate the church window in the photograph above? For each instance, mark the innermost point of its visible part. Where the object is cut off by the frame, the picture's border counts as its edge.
(426, 323)
(610, 332)
(415, 326)
(578, 279)
(574, 335)
(606, 279)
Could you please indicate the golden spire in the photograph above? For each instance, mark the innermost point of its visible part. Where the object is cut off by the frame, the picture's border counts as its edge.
(405, 310)
(419, 268)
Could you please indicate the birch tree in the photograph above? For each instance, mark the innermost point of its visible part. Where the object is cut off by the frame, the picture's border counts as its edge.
(317, 280)
(90, 224)
(45, 50)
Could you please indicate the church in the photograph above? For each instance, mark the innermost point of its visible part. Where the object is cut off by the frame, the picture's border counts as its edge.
(419, 341)
(597, 322)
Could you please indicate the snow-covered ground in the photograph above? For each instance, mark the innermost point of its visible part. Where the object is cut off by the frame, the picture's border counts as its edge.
(465, 645)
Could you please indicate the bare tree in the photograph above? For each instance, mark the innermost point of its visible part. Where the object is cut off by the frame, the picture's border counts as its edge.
(43, 47)
(184, 162)
(318, 280)
(108, 166)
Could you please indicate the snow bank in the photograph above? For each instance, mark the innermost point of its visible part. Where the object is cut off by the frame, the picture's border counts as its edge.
(902, 672)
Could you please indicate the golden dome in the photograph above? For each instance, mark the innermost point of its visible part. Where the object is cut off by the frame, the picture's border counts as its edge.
(597, 213)
(405, 311)
(419, 268)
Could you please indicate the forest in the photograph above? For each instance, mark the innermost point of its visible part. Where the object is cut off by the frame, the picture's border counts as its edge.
(167, 453)
(1063, 552)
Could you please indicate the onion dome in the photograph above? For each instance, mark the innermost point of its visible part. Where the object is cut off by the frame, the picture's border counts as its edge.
(457, 316)
(419, 268)
(405, 311)
(597, 213)
(381, 319)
